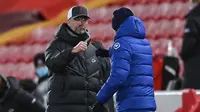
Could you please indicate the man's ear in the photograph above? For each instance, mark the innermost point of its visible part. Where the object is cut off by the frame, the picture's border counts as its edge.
(68, 21)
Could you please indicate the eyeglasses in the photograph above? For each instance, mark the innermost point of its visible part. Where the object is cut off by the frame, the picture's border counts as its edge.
(84, 19)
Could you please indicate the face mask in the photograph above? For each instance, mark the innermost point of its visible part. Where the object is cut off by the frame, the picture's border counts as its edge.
(42, 71)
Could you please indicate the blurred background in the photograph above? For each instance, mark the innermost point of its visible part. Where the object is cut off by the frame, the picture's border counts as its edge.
(27, 26)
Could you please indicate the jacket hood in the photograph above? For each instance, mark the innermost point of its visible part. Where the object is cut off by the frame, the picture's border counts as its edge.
(7, 87)
(194, 12)
(67, 34)
(133, 27)
(11, 87)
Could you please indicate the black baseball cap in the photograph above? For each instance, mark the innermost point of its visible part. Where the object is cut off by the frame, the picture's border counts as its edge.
(78, 11)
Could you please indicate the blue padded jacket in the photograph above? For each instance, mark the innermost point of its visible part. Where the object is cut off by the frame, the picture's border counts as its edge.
(131, 76)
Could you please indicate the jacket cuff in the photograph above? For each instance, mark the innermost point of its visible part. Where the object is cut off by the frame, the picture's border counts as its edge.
(100, 97)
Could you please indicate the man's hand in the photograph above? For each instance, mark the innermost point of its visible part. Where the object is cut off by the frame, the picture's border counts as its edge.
(80, 47)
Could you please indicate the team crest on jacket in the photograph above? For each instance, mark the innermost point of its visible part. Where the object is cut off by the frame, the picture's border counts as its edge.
(116, 45)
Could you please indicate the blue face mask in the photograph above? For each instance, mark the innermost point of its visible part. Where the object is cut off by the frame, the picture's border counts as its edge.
(42, 71)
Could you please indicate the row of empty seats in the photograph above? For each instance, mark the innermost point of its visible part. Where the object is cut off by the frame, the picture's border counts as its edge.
(164, 28)
(18, 63)
(41, 35)
(25, 53)
(154, 29)
(98, 32)
(160, 46)
(134, 2)
(103, 31)
(145, 12)
(19, 70)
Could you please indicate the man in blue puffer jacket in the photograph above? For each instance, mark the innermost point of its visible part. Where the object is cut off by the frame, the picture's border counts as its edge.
(131, 74)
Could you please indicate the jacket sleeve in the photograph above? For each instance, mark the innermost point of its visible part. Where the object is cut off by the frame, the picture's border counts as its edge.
(105, 65)
(58, 56)
(120, 68)
(189, 40)
(105, 62)
(29, 102)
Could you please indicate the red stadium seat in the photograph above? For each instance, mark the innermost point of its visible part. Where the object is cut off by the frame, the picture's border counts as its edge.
(148, 11)
(137, 10)
(108, 32)
(134, 2)
(152, 1)
(109, 13)
(2, 69)
(153, 44)
(27, 70)
(164, 1)
(179, 10)
(101, 32)
(3, 55)
(43, 35)
(28, 52)
(162, 46)
(8, 69)
(177, 43)
(13, 54)
(159, 46)
(97, 15)
(151, 28)
(163, 29)
(178, 28)
(95, 33)
(179, 1)
(163, 11)
(158, 49)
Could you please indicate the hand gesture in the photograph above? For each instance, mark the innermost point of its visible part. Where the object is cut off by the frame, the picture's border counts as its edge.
(80, 47)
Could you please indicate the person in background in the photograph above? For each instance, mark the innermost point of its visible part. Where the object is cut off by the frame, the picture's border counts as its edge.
(190, 52)
(76, 73)
(41, 68)
(15, 99)
(28, 85)
(42, 74)
(131, 76)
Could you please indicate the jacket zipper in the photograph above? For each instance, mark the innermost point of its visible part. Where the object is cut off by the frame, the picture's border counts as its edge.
(86, 84)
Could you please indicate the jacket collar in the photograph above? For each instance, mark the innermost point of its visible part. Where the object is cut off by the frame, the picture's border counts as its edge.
(65, 33)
